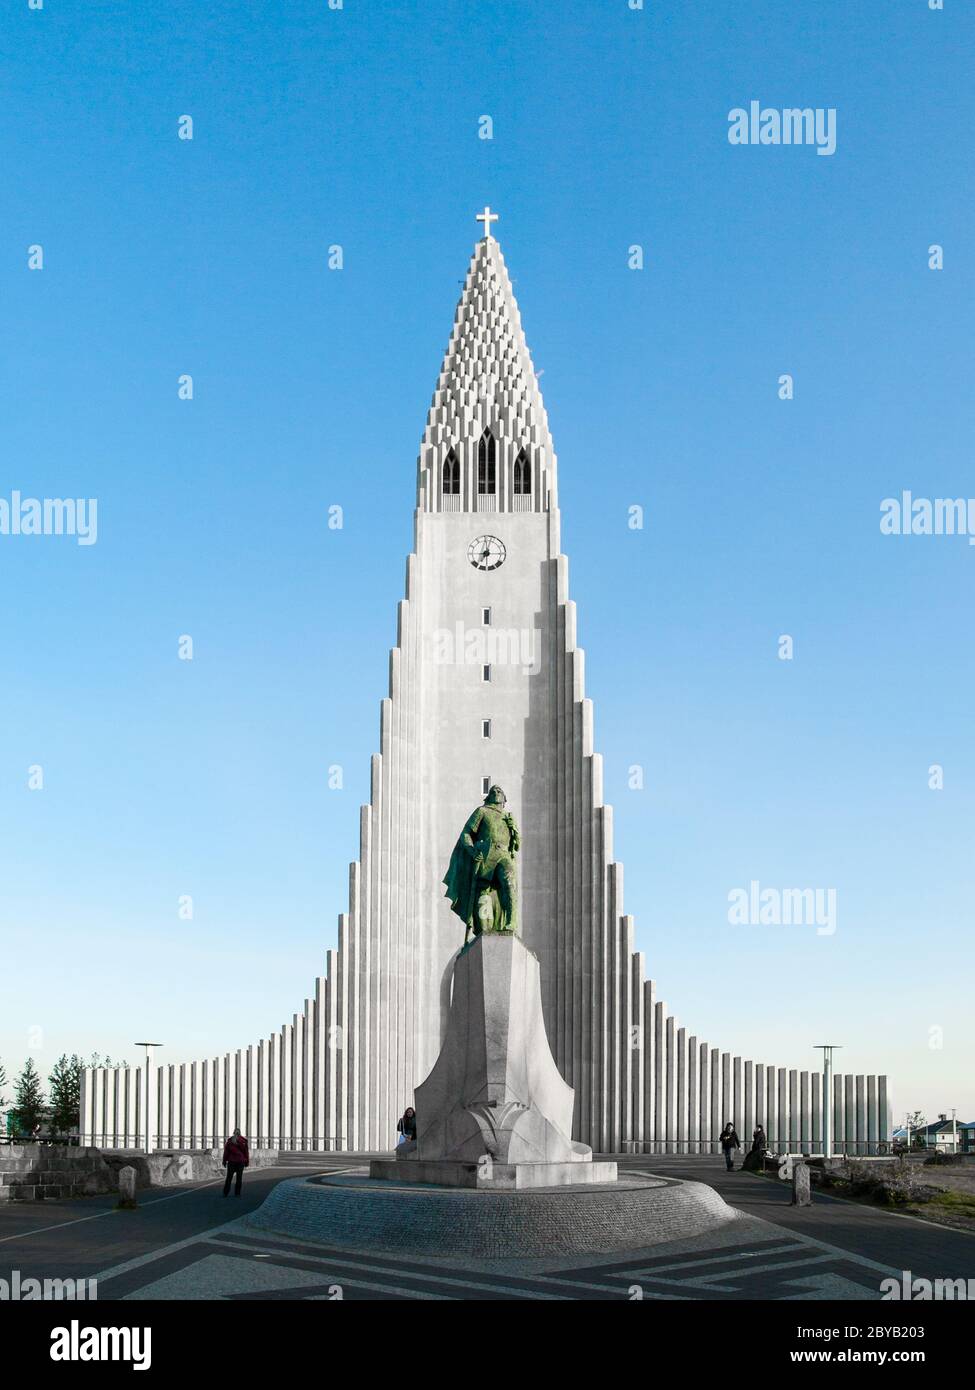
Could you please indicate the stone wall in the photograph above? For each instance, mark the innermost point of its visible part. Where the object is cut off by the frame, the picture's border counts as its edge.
(33, 1172)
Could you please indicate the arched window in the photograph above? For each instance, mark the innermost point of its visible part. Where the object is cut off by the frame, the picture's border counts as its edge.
(486, 471)
(523, 474)
(451, 475)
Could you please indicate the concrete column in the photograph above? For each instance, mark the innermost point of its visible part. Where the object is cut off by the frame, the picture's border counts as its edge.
(783, 1078)
(649, 1065)
(260, 1091)
(638, 1047)
(196, 1107)
(737, 1104)
(220, 1132)
(861, 1115)
(274, 1090)
(816, 1103)
(334, 1128)
(692, 1096)
(873, 1126)
(286, 1059)
(717, 1122)
(679, 1071)
(883, 1111)
(308, 1073)
(253, 1090)
(772, 1109)
(727, 1091)
(671, 1086)
(761, 1110)
(320, 1065)
(659, 1077)
(850, 1115)
(749, 1120)
(704, 1126)
(839, 1115)
(805, 1119)
(793, 1112)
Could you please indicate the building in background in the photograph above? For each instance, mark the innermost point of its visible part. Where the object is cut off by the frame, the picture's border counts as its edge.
(487, 685)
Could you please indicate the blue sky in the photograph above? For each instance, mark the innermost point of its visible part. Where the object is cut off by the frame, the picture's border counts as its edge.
(360, 127)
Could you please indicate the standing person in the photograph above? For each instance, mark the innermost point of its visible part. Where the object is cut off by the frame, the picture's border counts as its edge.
(236, 1157)
(729, 1141)
(406, 1125)
(759, 1141)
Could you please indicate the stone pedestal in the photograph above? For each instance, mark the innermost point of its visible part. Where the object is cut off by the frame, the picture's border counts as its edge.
(494, 1111)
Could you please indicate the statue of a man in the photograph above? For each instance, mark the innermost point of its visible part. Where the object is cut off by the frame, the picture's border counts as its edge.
(481, 881)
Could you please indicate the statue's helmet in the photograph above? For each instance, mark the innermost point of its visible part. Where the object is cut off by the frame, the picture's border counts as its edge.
(495, 797)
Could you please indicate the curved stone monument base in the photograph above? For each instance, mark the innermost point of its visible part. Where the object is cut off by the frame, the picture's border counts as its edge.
(354, 1212)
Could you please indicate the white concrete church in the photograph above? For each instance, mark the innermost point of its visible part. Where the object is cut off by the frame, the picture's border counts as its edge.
(486, 686)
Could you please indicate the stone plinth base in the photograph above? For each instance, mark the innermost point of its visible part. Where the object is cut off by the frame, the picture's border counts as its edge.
(351, 1211)
(491, 1177)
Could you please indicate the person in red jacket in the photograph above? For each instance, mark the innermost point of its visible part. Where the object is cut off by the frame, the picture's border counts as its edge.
(235, 1160)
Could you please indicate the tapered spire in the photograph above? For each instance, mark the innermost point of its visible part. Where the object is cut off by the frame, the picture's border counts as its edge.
(487, 391)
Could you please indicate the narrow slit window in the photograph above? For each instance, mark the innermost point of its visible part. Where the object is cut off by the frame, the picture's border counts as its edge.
(451, 475)
(522, 481)
(485, 728)
(485, 785)
(486, 463)
(485, 673)
(486, 617)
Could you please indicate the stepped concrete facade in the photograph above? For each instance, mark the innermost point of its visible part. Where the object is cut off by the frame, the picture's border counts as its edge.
(487, 685)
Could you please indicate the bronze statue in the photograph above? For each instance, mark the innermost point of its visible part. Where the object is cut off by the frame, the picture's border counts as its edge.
(481, 882)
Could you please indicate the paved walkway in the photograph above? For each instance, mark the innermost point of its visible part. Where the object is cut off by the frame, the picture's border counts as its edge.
(193, 1243)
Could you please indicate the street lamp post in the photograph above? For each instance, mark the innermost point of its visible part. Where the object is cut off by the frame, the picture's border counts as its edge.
(148, 1105)
(827, 1051)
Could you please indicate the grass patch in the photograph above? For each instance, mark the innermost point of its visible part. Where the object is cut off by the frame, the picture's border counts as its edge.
(960, 1203)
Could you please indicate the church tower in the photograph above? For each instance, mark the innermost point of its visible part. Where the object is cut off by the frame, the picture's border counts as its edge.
(486, 685)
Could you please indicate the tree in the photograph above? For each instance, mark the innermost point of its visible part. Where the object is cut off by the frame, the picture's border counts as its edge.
(28, 1098)
(65, 1101)
(3, 1098)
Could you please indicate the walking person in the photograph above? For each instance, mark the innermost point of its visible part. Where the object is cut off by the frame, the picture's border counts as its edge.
(729, 1141)
(236, 1157)
(406, 1126)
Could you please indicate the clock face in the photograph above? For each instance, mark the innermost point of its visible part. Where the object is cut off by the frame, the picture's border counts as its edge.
(486, 552)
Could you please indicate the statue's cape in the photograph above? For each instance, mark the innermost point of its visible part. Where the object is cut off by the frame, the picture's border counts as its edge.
(459, 879)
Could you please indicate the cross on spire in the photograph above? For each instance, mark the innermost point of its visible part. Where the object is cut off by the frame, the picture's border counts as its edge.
(487, 217)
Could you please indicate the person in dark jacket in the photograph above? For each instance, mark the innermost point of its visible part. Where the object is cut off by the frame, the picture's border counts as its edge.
(759, 1141)
(729, 1141)
(236, 1157)
(406, 1125)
